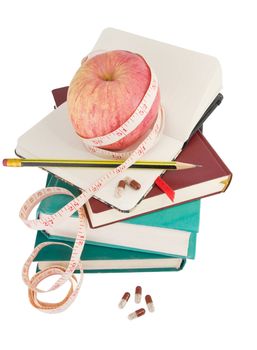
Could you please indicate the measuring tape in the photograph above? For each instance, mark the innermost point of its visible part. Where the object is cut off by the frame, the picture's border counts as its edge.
(77, 203)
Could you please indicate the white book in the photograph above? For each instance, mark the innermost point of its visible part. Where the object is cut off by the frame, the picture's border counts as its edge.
(158, 240)
(189, 82)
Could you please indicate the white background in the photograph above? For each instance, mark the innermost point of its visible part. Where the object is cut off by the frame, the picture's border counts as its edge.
(211, 304)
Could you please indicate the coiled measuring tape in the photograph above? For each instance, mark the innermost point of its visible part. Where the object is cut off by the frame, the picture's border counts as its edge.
(77, 203)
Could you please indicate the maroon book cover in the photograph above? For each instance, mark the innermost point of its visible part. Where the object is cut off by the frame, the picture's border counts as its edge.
(197, 151)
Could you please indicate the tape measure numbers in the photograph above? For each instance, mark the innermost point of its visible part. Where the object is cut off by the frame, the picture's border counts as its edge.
(77, 203)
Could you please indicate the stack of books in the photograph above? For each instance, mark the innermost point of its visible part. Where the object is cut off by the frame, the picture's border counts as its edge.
(145, 231)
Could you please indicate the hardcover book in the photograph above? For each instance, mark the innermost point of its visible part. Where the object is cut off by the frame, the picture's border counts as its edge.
(211, 178)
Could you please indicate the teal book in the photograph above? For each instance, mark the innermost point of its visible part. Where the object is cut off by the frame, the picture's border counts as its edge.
(105, 259)
(170, 231)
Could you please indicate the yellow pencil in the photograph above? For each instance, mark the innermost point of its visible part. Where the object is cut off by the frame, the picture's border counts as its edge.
(17, 162)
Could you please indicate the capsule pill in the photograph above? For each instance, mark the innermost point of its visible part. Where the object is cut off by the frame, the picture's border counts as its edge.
(124, 300)
(136, 314)
(149, 303)
(132, 183)
(138, 294)
(120, 188)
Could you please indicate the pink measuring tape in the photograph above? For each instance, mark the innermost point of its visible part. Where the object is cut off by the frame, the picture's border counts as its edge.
(77, 203)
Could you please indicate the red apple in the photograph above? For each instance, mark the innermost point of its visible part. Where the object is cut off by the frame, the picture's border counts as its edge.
(105, 92)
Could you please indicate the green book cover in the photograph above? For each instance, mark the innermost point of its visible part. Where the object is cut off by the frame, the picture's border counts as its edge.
(106, 259)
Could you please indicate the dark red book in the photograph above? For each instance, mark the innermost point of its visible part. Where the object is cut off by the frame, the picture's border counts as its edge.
(212, 178)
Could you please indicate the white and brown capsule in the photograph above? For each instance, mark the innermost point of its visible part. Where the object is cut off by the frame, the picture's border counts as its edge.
(136, 314)
(138, 294)
(149, 303)
(120, 188)
(124, 300)
(132, 183)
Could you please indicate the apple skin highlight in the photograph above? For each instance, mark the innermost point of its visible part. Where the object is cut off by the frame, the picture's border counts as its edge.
(105, 92)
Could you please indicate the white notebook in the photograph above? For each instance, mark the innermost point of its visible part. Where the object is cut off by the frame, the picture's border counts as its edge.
(189, 82)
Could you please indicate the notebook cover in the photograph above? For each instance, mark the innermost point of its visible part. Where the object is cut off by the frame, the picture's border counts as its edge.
(92, 252)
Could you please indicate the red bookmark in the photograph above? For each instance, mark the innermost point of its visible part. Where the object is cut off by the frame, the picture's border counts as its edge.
(165, 188)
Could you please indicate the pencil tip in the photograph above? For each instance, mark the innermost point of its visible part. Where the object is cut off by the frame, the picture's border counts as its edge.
(189, 166)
